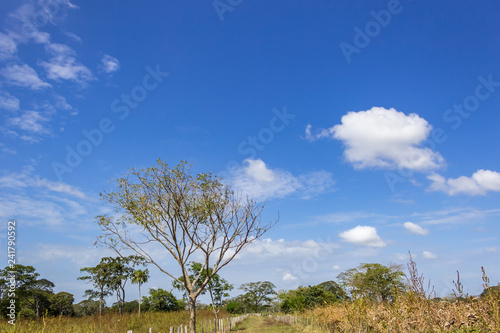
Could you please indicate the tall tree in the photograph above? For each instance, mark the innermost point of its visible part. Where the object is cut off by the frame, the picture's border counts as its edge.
(40, 295)
(140, 277)
(258, 294)
(374, 281)
(163, 209)
(121, 270)
(101, 278)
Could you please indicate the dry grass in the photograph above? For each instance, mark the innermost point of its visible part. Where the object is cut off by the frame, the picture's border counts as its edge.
(110, 322)
(416, 311)
(410, 313)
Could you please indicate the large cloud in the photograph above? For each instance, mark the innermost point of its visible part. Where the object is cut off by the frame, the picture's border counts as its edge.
(481, 182)
(383, 138)
(257, 180)
(363, 235)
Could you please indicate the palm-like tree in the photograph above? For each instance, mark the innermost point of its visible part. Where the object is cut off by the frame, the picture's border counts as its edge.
(140, 277)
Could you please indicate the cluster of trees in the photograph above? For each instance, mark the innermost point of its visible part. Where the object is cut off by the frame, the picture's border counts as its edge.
(110, 277)
(34, 296)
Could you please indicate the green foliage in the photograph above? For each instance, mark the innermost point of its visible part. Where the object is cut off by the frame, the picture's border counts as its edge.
(235, 307)
(258, 295)
(30, 292)
(25, 279)
(27, 313)
(130, 307)
(110, 277)
(61, 304)
(491, 292)
(217, 287)
(305, 298)
(86, 308)
(374, 281)
(161, 300)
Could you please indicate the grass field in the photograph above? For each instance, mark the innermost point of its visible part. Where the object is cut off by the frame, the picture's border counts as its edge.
(108, 323)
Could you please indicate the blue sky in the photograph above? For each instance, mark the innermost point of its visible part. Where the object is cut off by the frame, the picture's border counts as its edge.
(369, 127)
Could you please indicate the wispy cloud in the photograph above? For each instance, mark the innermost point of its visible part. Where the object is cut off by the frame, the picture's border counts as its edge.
(383, 138)
(23, 76)
(363, 235)
(26, 179)
(40, 201)
(267, 247)
(109, 64)
(8, 102)
(480, 183)
(8, 47)
(39, 210)
(30, 121)
(355, 216)
(64, 66)
(455, 215)
(257, 180)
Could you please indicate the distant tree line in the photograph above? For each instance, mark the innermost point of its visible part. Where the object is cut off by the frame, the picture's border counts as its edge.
(35, 296)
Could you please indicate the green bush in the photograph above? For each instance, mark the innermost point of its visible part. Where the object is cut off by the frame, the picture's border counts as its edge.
(27, 314)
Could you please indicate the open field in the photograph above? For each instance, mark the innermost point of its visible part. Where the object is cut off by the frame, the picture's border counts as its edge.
(108, 323)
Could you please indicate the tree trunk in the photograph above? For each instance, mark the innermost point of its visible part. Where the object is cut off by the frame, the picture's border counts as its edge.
(216, 318)
(37, 308)
(139, 299)
(192, 315)
(123, 299)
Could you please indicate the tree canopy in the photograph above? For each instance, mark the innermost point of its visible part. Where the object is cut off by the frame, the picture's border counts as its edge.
(258, 295)
(374, 281)
(164, 209)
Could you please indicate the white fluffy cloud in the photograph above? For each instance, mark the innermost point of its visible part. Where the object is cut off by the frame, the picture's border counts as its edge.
(383, 138)
(109, 64)
(481, 182)
(289, 277)
(415, 228)
(363, 235)
(257, 180)
(429, 255)
(23, 76)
